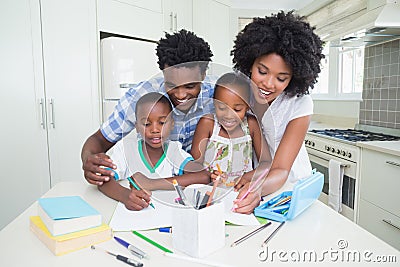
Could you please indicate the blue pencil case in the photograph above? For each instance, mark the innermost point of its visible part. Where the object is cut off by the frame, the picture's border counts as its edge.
(289, 204)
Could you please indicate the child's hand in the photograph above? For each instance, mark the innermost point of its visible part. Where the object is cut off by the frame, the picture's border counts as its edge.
(137, 199)
(215, 174)
(241, 183)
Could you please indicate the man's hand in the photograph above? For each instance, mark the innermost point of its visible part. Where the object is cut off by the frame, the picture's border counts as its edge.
(95, 168)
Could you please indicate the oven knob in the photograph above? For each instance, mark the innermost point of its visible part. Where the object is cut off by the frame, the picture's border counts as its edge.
(333, 150)
(339, 151)
(313, 143)
(349, 155)
(343, 153)
(327, 148)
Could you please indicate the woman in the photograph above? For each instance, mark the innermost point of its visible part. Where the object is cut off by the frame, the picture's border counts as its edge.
(281, 54)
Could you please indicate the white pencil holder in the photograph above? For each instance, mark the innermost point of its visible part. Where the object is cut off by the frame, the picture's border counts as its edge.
(198, 233)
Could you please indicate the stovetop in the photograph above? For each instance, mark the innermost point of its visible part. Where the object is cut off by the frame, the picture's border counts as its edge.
(353, 135)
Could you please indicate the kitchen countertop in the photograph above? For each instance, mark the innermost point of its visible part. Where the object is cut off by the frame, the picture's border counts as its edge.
(390, 147)
(319, 236)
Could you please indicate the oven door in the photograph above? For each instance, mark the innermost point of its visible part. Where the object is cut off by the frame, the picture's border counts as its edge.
(320, 161)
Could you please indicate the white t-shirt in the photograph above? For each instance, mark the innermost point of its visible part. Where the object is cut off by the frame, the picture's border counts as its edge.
(274, 121)
(129, 158)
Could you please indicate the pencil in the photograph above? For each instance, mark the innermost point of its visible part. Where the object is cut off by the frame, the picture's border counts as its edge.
(254, 184)
(240, 240)
(272, 234)
(152, 242)
(138, 188)
(214, 186)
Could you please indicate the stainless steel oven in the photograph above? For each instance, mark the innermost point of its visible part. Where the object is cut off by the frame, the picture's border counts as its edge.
(321, 150)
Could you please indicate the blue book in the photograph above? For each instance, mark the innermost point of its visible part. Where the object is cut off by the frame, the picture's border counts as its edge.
(63, 215)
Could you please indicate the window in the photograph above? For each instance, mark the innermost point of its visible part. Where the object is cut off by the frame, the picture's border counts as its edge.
(341, 75)
(351, 70)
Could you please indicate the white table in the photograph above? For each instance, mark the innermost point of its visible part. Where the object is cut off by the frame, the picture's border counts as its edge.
(318, 230)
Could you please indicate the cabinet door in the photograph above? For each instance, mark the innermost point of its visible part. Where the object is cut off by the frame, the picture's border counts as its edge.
(178, 14)
(24, 162)
(216, 31)
(69, 35)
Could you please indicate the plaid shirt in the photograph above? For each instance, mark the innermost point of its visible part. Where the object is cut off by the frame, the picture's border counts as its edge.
(122, 121)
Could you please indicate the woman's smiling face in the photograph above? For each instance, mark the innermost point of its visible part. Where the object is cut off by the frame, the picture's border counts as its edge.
(270, 76)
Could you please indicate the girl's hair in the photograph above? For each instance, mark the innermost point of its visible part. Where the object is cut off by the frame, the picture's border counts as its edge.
(235, 78)
(287, 35)
(183, 47)
(153, 98)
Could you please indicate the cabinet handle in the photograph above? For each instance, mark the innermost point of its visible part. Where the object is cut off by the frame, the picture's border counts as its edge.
(393, 163)
(52, 121)
(171, 22)
(176, 22)
(42, 114)
(391, 224)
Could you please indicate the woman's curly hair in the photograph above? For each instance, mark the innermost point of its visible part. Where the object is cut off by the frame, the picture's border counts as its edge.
(287, 35)
(183, 47)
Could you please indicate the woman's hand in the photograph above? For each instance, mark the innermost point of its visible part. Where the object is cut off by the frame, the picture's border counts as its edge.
(247, 204)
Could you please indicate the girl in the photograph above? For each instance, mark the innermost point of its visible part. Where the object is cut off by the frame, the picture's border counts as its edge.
(227, 138)
(281, 54)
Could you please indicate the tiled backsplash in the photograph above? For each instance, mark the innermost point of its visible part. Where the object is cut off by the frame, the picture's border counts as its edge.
(381, 90)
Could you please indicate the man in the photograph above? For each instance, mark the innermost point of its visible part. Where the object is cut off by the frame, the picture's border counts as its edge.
(183, 57)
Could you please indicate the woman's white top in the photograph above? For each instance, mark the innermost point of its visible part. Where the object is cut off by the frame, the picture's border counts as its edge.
(274, 121)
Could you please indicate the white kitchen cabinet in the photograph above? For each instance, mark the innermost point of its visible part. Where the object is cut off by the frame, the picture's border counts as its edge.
(215, 31)
(379, 210)
(178, 14)
(131, 18)
(49, 96)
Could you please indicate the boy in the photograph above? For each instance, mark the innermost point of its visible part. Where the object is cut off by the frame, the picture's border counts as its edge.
(184, 58)
(151, 156)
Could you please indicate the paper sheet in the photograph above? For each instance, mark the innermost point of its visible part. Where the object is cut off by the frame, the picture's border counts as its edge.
(149, 218)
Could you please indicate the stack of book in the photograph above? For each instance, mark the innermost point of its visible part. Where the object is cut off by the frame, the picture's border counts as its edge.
(69, 223)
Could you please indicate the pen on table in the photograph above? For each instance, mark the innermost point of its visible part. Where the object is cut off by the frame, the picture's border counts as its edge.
(138, 188)
(152, 242)
(165, 230)
(127, 260)
(253, 186)
(240, 240)
(134, 250)
(272, 234)
(179, 191)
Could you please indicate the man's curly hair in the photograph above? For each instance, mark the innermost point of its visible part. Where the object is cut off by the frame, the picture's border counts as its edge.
(287, 35)
(182, 47)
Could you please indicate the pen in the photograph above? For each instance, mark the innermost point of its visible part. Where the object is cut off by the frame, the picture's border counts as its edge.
(165, 229)
(122, 258)
(179, 191)
(134, 250)
(272, 234)
(237, 242)
(251, 187)
(138, 188)
(152, 242)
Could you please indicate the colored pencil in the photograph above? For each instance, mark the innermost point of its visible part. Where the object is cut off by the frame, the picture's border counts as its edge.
(237, 242)
(138, 188)
(272, 234)
(152, 242)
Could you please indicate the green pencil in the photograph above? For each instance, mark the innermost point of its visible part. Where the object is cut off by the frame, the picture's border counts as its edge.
(152, 242)
(138, 188)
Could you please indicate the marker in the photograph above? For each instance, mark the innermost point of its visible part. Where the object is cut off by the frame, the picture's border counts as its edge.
(138, 188)
(179, 191)
(152, 242)
(122, 258)
(132, 249)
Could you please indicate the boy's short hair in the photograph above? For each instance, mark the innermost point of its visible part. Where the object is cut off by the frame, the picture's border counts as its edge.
(183, 47)
(235, 78)
(288, 35)
(153, 98)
